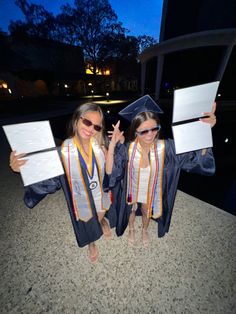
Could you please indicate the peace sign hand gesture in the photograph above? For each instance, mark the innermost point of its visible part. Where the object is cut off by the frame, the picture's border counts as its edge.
(116, 135)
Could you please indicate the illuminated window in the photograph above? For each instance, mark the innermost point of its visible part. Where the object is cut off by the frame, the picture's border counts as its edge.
(3, 84)
(89, 70)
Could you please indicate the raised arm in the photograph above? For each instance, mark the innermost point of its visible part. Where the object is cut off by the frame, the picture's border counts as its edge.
(211, 119)
(34, 193)
(116, 136)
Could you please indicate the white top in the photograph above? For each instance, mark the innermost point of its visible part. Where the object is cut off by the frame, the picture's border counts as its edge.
(143, 185)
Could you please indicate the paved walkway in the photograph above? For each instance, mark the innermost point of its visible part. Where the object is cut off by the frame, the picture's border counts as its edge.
(191, 270)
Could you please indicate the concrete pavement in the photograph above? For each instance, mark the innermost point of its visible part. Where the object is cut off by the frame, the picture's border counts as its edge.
(190, 270)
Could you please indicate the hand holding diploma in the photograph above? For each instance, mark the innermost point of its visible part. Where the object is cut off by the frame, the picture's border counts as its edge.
(16, 162)
(192, 106)
(34, 141)
(211, 118)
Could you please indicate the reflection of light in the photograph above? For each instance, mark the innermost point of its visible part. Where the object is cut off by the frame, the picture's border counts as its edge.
(107, 94)
(92, 91)
(108, 111)
(107, 72)
(66, 86)
(226, 140)
(90, 84)
(4, 85)
(9, 90)
(219, 95)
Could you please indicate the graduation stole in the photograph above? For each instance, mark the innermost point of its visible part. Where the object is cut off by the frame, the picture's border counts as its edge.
(154, 197)
(71, 150)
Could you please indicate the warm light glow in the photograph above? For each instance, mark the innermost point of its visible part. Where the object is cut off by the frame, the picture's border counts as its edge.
(88, 71)
(98, 71)
(219, 95)
(66, 86)
(9, 90)
(4, 85)
(90, 84)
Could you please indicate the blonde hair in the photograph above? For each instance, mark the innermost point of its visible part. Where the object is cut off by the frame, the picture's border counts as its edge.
(79, 112)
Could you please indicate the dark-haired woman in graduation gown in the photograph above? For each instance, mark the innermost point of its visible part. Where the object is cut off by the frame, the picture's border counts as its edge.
(144, 173)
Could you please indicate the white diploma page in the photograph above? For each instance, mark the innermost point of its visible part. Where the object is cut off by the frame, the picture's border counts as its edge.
(192, 136)
(34, 138)
(190, 103)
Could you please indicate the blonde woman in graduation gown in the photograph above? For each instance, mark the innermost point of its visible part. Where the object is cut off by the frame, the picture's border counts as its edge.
(83, 155)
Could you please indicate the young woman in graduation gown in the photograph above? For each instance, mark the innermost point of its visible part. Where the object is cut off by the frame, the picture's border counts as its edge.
(144, 173)
(83, 155)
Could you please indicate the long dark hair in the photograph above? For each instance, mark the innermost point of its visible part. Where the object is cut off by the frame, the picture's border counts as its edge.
(79, 112)
(138, 120)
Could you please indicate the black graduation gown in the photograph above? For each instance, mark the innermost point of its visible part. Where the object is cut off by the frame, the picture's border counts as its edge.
(192, 162)
(85, 232)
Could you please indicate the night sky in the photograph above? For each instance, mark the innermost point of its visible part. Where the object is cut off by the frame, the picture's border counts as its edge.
(138, 16)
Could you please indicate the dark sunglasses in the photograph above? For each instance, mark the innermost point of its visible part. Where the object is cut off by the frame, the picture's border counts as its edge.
(87, 122)
(155, 129)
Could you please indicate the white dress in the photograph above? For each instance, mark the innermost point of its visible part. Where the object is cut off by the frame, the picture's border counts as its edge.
(143, 185)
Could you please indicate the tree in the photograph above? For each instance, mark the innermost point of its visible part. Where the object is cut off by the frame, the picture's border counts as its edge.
(93, 24)
(145, 42)
(38, 22)
(90, 24)
(120, 47)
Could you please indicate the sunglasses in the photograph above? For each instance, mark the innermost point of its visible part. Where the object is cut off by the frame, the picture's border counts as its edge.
(87, 122)
(144, 132)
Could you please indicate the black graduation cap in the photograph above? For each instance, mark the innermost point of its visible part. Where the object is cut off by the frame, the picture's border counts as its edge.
(143, 104)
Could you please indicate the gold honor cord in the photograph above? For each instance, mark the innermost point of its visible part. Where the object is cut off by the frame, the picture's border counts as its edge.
(157, 202)
(100, 161)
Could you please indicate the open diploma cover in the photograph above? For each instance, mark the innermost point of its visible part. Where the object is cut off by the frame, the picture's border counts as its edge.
(35, 138)
(190, 103)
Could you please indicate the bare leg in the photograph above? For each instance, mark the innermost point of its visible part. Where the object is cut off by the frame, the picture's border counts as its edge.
(92, 248)
(105, 226)
(145, 221)
(131, 236)
(93, 252)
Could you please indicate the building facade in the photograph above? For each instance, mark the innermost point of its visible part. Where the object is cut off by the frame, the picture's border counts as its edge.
(197, 45)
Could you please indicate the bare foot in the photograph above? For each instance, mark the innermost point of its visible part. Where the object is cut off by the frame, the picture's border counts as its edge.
(93, 253)
(145, 237)
(106, 230)
(131, 236)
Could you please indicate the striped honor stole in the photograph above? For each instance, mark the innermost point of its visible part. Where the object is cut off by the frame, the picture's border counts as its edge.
(154, 197)
(71, 153)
